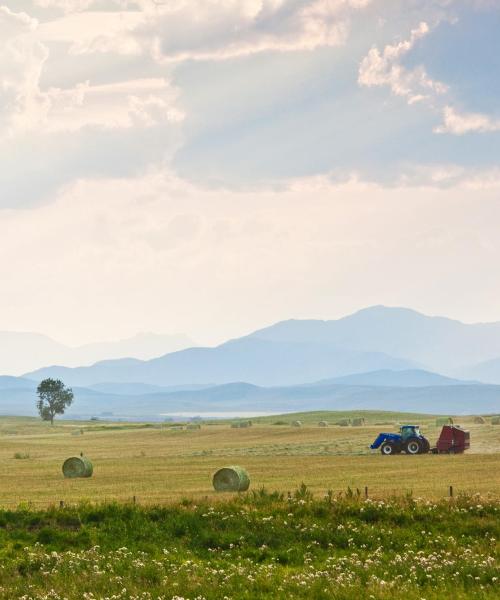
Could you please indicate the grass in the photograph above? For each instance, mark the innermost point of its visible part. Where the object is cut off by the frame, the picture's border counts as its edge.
(158, 464)
(255, 546)
(179, 540)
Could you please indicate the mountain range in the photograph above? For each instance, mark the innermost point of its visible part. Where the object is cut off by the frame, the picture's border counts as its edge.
(303, 351)
(409, 391)
(21, 352)
(380, 357)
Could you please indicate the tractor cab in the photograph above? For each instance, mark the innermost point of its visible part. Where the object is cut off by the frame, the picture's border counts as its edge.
(410, 431)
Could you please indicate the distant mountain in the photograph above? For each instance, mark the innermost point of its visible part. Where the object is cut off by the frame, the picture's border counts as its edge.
(140, 389)
(407, 378)
(257, 361)
(237, 398)
(437, 343)
(487, 371)
(11, 383)
(20, 352)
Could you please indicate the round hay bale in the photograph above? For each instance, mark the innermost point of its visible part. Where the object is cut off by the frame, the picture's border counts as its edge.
(77, 466)
(344, 422)
(231, 479)
(323, 424)
(296, 423)
(193, 426)
(495, 420)
(358, 422)
(479, 420)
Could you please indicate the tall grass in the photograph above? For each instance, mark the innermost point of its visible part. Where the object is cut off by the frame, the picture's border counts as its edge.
(254, 546)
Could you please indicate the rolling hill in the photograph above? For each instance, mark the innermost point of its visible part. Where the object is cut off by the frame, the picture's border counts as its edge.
(243, 397)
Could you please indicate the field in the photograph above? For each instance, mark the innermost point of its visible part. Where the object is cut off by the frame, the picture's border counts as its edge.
(148, 525)
(159, 463)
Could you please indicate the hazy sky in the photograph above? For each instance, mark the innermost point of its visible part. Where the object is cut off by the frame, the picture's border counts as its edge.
(212, 166)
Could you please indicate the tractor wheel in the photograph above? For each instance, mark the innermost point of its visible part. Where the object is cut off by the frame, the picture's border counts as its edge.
(425, 448)
(387, 448)
(413, 447)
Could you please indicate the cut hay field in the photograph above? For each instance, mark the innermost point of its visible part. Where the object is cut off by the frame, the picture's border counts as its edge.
(159, 464)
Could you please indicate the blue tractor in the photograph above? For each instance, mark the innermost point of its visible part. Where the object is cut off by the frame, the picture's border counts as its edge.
(408, 440)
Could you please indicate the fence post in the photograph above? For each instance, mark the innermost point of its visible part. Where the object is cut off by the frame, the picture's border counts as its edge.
(134, 500)
(61, 504)
(451, 491)
(366, 491)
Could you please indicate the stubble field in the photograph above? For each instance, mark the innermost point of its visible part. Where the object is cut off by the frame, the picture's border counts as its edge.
(160, 463)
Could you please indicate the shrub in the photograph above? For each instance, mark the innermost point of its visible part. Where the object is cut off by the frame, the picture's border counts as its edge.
(21, 455)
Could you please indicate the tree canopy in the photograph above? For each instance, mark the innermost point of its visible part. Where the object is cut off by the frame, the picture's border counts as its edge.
(53, 398)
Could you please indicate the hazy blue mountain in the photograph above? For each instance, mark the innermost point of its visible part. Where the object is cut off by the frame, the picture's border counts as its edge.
(437, 343)
(8, 382)
(257, 361)
(138, 389)
(21, 352)
(487, 371)
(406, 378)
(243, 397)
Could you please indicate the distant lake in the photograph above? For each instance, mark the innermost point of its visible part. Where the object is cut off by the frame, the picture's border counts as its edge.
(219, 415)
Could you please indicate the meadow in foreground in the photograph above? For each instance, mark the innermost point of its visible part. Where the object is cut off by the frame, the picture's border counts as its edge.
(257, 545)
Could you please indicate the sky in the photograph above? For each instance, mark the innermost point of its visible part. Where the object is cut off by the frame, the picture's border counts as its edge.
(213, 166)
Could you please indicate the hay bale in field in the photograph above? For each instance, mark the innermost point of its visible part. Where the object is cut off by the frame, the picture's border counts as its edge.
(358, 421)
(231, 479)
(193, 426)
(344, 422)
(495, 420)
(440, 421)
(241, 424)
(77, 432)
(479, 420)
(77, 466)
(296, 423)
(323, 424)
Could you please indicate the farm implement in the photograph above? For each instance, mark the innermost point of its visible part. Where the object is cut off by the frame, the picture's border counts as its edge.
(452, 440)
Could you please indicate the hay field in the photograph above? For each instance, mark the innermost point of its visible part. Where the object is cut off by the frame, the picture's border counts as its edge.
(159, 464)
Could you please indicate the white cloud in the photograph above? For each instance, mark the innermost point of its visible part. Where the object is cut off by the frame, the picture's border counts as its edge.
(177, 30)
(461, 123)
(27, 107)
(95, 32)
(140, 103)
(21, 60)
(385, 69)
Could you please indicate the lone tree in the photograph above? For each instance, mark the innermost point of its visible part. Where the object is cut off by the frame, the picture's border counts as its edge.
(53, 399)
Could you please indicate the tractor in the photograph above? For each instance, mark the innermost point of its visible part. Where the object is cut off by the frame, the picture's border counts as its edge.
(409, 439)
(452, 440)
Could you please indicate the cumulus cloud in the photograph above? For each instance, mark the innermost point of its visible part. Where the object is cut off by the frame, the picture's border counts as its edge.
(461, 123)
(140, 103)
(384, 68)
(28, 107)
(21, 59)
(225, 29)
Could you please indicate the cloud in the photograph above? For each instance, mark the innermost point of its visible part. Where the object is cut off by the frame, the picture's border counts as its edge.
(28, 107)
(21, 58)
(225, 29)
(139, 103)
(461, 123)
(179, 30)
(385, 69)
